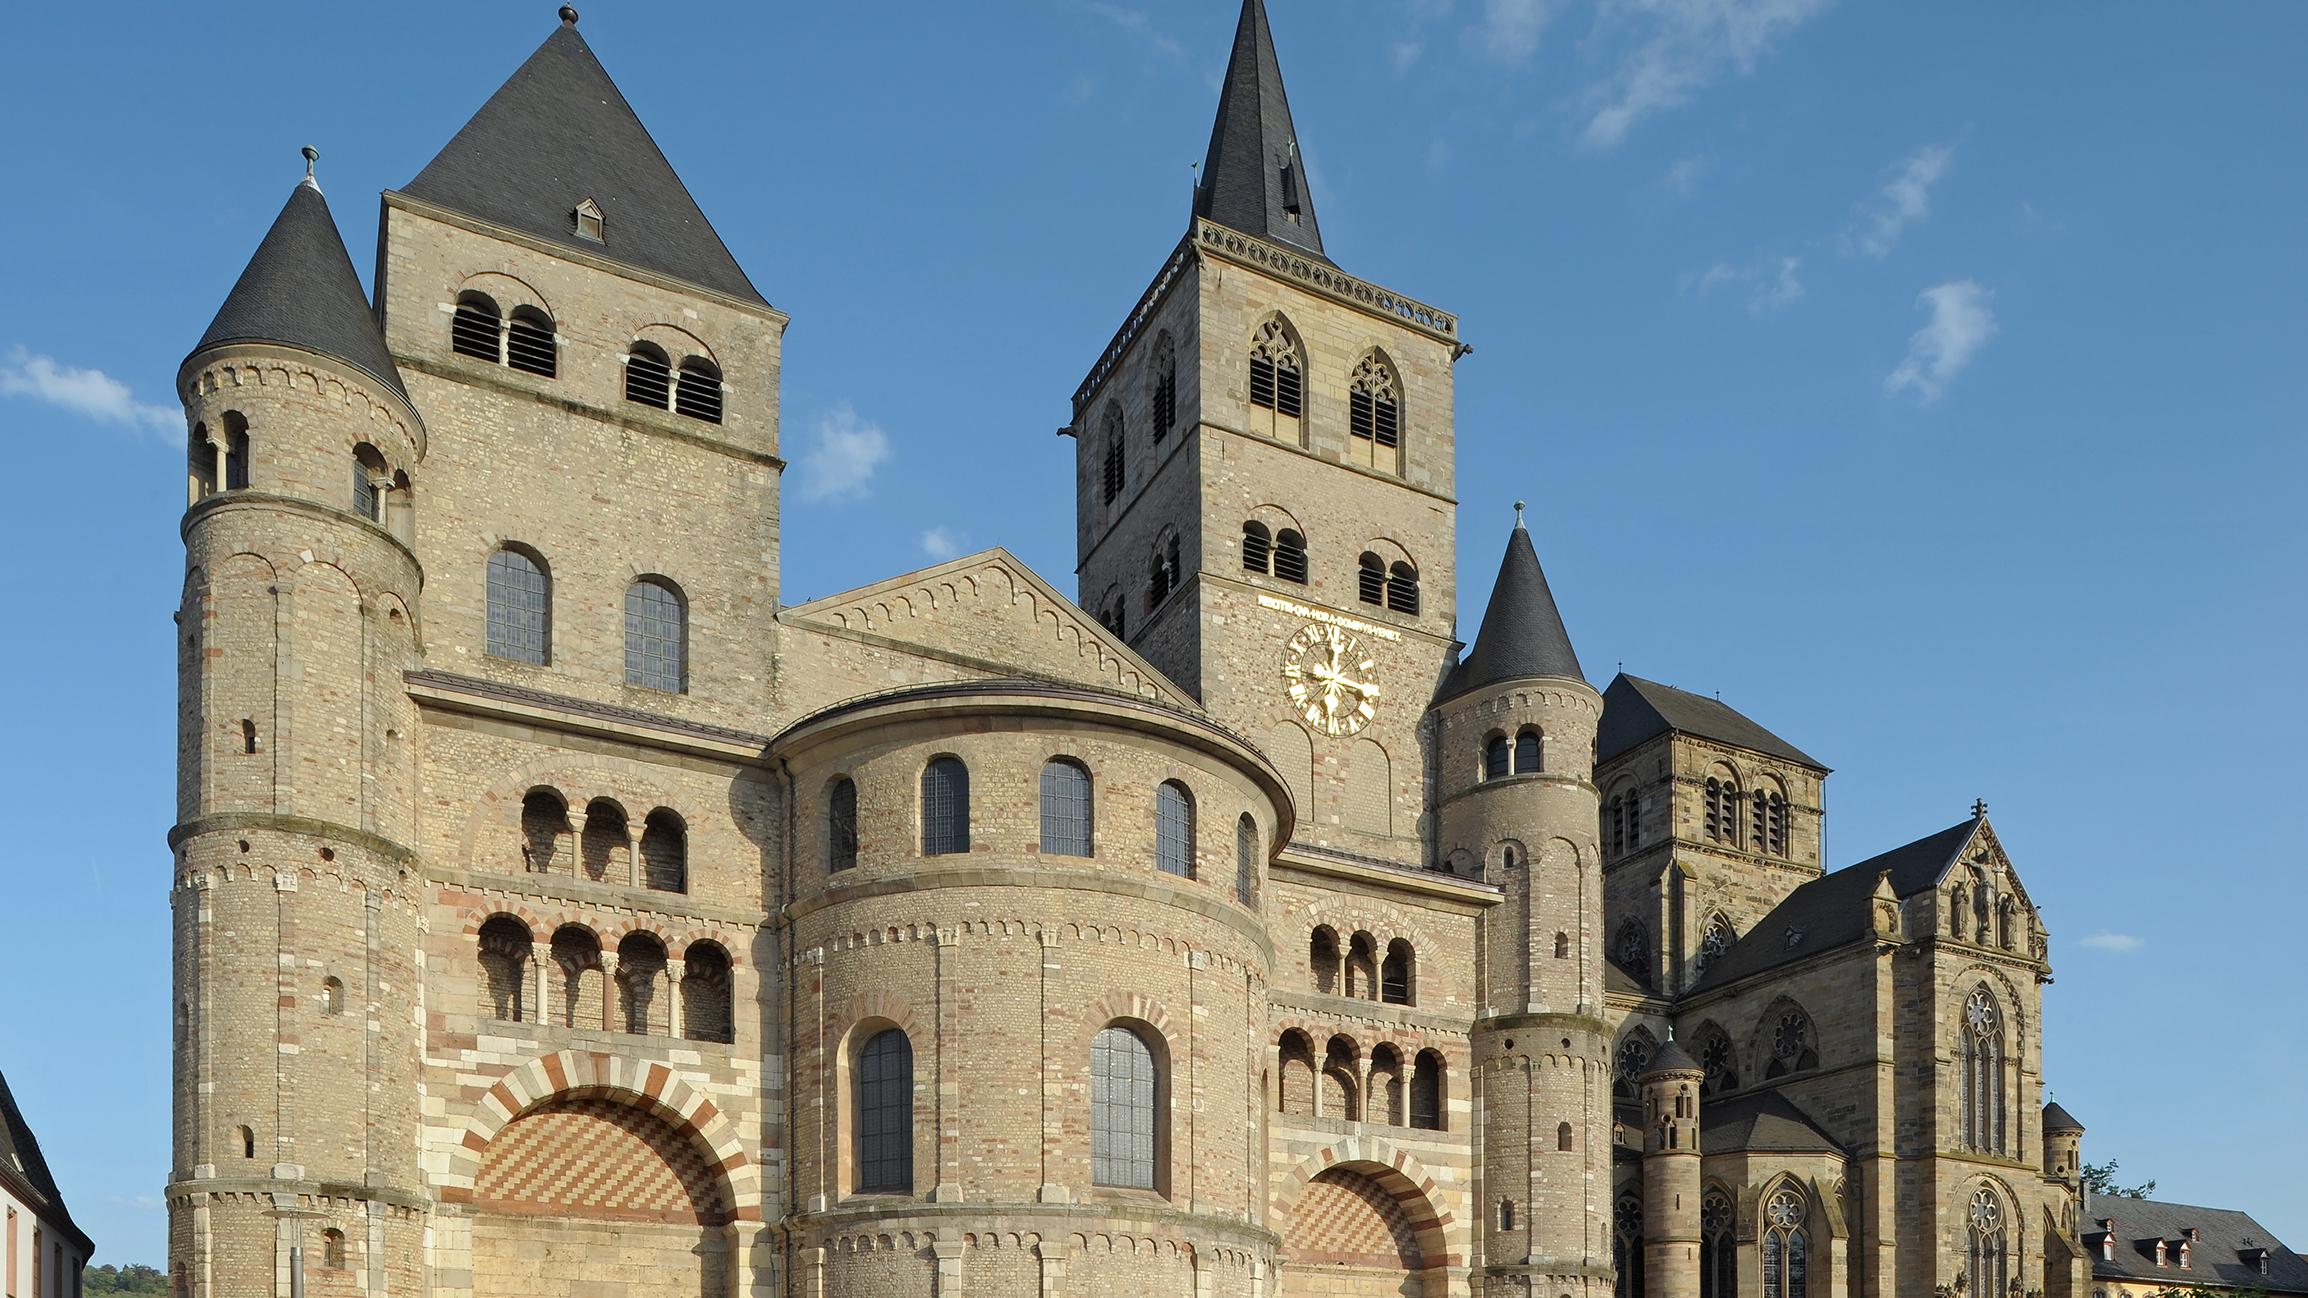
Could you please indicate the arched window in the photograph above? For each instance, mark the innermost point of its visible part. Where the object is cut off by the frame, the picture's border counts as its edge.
(1290, 556)
(945, 807)
(1370, 579)
(1402, 589)
(1065, 808)
(1565, 1142)
(1362, 967)
(371, 479)
(698, 392)
(1631, 948)
(1340, 1086)
(606, 847)
(477, 327)
(1990, 1251)
(505, 953)
(1717, 1060)
(1634, 1056)
(1528, 751)
(1498, 758)
(1718, 1252)
(1562, 946)
(1257, 548)
(520, 607)
(1174, 830)
(200, 465)
(529, 342)
(1374, 416)
(1715, 941)
(1165, 571)
(1627, 1246)
(1276, 383)
(648, 376)
(544, 829)
(1386, 1090)
(1626, 816)
(1426, 1091)
(1981, 1057)
(706, 1009)
(1771, 821)
(1297, 1093)
(664, 852)
(885, 1114)
(1110, 613)
(1794, 1046)
(1786, 1246)
(1396, 973)
(656, 636)
(1125, 1110)
(841, 825)
(577, 962)
(248, 1142)
(640, 973)
(1110, 470)
(1322, 959)
(1722, 822)
(333, 1249)
(235, 451)
(332, 996)
(1246, 860)
(1165, 385)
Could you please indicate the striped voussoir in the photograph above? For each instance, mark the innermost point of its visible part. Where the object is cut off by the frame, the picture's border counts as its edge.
(1396, 1172)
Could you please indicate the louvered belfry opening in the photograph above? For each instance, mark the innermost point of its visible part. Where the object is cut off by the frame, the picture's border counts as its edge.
(529, 343)
(648, 376)
(698, 395)
(473, 330)
(1290, 556)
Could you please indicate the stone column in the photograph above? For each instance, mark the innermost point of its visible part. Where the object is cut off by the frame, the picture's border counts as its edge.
(673, 971)
(535, 989)
(609, 991)
(949, 1255)
(633, 830)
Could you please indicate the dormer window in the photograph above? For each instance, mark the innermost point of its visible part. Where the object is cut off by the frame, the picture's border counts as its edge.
(1290, 201)
(2183, 1252)
(589, 224)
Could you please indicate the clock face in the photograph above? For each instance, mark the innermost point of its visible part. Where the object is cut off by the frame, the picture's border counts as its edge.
(1329, 679)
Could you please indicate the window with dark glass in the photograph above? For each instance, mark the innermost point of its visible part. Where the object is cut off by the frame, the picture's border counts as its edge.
(656, 637)
(1527, 752)
(1065, 808)
(885, 1114)
(1497, 758)
(1785, 1247)
(1245, 860)
(945, 807)
(1124, 1089)
(235, 453)
(1174, 829)
(841, 825)
(520, 607)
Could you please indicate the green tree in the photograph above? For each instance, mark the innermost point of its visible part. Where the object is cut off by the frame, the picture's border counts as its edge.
(2100, 1178)
(135, 1279)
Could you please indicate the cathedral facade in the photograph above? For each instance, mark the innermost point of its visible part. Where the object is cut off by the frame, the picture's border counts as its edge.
(557, 912)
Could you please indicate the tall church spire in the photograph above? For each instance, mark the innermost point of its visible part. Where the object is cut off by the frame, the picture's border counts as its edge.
(1522, 633)
(1254, 179)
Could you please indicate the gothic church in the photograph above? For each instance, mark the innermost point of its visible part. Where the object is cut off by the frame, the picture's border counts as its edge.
(556, 912)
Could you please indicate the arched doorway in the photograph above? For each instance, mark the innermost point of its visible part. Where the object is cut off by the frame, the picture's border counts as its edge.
(588, 1191)
(1353, 1235)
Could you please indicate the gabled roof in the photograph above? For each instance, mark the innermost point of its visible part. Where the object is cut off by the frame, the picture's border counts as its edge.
(2217, 1258)
(1243, 178)
(1636, 710)
(1833, 909)
(1522, 633)
(559, 132)
(25, 1172)
(300, 290)
(1760, 1122)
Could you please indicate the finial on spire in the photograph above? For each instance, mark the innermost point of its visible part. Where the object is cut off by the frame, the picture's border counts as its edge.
(1979, 808)
(312, 155)
(1518, 515)
(568, 15)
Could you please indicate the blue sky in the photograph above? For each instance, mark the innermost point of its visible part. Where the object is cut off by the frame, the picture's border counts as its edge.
(1924, 378)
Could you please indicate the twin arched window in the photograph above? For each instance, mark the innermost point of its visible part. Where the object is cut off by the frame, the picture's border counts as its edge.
(1769, 825)
(1126, 1097)
(945, 807)
(1722, 811)
(1066, 808)
(1393, 587)
(208, 464)
(523, 341)
(1174, 830)
(656, 636)
(1279, 553)
(1624, 814)
(651, 379)
(1521, 755)
(520, 607)
(884, 1114)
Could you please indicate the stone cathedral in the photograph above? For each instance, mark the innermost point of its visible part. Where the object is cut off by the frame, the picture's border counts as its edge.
(557, 912)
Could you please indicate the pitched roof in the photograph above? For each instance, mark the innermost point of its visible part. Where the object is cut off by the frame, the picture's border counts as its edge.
(1522, 633)
(1761, 1121)
(1832, 910)
(300, 290)
(25, 1172)
(1245, 185)
(2217, 1258)
(1636, 710)
(559, 132)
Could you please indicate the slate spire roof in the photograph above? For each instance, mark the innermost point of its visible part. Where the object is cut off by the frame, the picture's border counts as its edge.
(559, 132)
(300, 290)
(1522, 633)
(1253, 179)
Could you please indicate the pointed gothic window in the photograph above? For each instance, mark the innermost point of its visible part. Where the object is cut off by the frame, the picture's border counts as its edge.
(1716, 1061)
(1631, 949)
(529, 342)
(1276, 382)
(1718, 1253)
(1981, 1058)
(1374, 416)
(1370, 579)
(1786, 1245)
(1634, 1056)
(1290, 556)
(648, 376)
(1165, 394)
(1990, 1252)
(476, 328)
(520, 607)
(1110, 469)
(1257, 548)
(1627, 1246)
(1793, 1047)
(1714, 941)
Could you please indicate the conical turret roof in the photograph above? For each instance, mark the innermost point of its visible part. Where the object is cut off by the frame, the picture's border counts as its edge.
(559, 132)
(1522, 633)
(300, 290)
(2059, 1119)
(1253, 179)
(1672, 1058)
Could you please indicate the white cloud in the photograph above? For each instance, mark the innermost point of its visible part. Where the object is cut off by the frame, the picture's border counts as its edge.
(1405, 53)
(1508, 31)
(1768, 283)
(1903, 199)
(2118, 943)
(840, 461)
(1684, 45)
(942, 543)
(1135, 24)
(91, 394)
(1681, 180)
(1962, 320)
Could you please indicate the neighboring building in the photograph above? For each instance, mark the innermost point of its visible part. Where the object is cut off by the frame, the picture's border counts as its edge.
(45, 1253)
(2143, 1247)
(558, 911)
